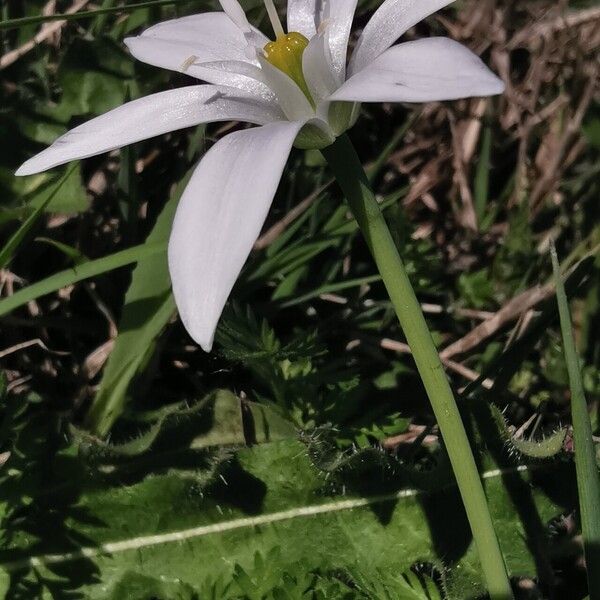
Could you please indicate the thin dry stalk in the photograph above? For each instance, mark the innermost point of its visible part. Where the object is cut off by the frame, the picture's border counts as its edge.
(46, 32)
(509, 312)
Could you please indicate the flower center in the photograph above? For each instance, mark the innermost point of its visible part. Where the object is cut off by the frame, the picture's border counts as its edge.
(285, 53)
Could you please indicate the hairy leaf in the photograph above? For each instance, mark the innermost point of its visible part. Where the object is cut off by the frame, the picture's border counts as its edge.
(188, 527)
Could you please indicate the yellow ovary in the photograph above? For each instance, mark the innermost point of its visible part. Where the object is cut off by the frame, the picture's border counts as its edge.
(285, 53)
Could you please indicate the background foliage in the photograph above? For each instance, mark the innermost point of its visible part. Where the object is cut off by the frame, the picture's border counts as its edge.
(300, 459)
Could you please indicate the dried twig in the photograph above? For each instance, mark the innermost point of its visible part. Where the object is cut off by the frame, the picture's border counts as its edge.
(465, 372)
(94, 361)
(276, 230)
(510, 311)
(467, 216)
(544, 28)
(28, 344)
(555, 166)
(468, 313)
(46, 32)
(411, 436)
(4, 456)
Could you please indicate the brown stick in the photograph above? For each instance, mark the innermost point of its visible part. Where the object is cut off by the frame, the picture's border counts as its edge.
(465, 372)
(28, 344)
(45, 32)
(276, 230)
(510, 311)
(568, 21)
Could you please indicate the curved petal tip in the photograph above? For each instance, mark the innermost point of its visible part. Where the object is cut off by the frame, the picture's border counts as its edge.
(499, 87)
(219, 218)
(203, 335)
(25, 169)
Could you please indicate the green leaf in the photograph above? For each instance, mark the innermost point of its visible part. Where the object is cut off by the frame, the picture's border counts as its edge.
(186, 527)
(591, 130)
(21, 22)
(79, 273)
(482, 174)
(588, 478)
(148, 307)
(73, 254)
(28, 195)
(545, 448)
(220, 419)
(72, 198)
(95, 76)
(476, 289)
(144, 587)
(9, 249)
(396, 586)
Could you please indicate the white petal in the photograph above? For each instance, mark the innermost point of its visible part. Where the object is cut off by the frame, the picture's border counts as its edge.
(291, 98)
(259, 82)
(180, 44)
(320, 76)
(150, 116)
(422, 71)
(236, 13)
(219, 218)
(388, 23)
(233, 9)
(319, 73)
(337, 17)
(302, 17)
(310, 16)
(183, 57)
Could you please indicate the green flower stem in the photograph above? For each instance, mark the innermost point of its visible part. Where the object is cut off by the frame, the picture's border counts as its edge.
(351, 177)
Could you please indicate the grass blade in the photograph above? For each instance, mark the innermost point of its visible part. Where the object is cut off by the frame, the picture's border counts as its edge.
(148, 307)
(588, 480)
(482, 174)
(9, 249)
(34, 20)
(78, 273)
(374, 169)
(338, 286)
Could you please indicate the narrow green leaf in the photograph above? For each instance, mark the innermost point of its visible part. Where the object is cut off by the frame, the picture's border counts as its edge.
(334, 233)
(78, 273)
(588, 478)
(100, 18)
(331, 288)
(148, 307)
(22, 21)
(482, 174)
(130, 353)
(374, 169)
(9, 249)
(69, 251)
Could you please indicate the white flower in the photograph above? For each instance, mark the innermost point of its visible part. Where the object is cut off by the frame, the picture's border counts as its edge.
(299, 91)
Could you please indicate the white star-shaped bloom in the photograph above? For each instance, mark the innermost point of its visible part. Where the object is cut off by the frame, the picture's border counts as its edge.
(299, 89)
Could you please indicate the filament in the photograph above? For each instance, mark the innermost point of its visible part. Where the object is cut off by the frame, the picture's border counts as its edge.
(274, 18)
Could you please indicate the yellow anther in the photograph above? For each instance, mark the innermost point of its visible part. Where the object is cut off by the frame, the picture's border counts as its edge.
(285, 53)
